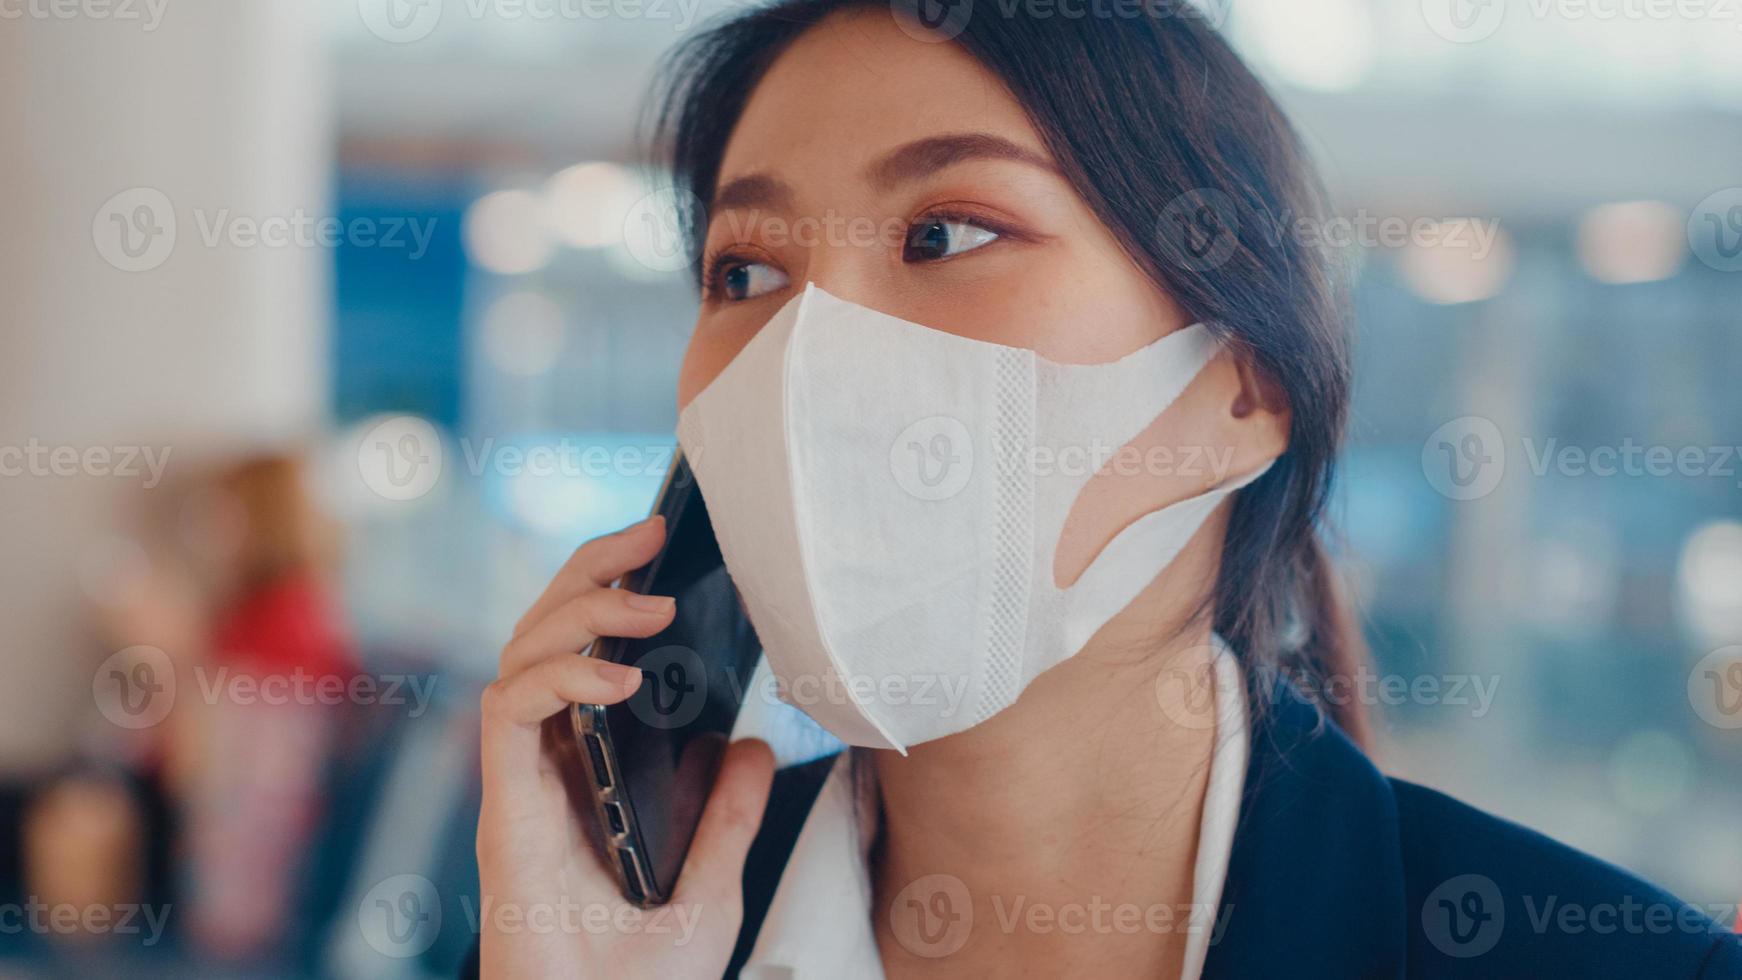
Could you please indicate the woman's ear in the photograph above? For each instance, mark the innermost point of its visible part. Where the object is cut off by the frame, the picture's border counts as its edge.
(1258, 418)
(1229, 423)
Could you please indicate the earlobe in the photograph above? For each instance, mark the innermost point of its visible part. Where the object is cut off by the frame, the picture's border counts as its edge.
(1256, 420)
(1258, 393)
(1259, 417)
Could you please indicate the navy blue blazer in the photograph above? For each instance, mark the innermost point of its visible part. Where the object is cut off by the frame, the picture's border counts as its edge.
(1340, 872)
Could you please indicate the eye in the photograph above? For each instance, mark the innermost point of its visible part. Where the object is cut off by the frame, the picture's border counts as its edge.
(739, 280)
(940, 238)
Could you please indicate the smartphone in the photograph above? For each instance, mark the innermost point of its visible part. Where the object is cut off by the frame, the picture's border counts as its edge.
(650, 761)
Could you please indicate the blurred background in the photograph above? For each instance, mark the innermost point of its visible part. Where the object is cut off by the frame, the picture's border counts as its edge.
(330, 327)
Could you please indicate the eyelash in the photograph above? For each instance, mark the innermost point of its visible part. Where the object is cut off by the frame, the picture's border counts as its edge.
(715, 262)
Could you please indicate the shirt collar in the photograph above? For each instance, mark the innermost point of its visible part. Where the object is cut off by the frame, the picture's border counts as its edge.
(819, 924)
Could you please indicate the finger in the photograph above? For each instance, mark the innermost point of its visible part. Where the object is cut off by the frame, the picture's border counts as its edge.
(713, 871)
(522, 701)
(513, 752)
(584, 618)
(595, 564)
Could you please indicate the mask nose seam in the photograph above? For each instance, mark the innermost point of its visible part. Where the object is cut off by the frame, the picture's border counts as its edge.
(1006, 635)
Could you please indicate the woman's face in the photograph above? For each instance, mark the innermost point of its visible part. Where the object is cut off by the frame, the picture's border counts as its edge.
(901, 175)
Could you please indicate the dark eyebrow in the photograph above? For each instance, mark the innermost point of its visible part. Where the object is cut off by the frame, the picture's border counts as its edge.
(904, 163)
(755, 190)
(922, 157)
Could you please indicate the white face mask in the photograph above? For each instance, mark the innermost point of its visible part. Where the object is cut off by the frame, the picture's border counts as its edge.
(889, 500)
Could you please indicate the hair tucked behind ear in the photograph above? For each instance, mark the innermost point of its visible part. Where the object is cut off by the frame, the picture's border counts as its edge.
(1188, 160)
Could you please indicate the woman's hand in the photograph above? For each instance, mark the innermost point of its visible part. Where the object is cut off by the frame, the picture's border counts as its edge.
(548, 907)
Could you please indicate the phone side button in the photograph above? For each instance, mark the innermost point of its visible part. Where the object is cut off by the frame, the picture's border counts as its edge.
(601, 770)
(614, 815)
(630, 877)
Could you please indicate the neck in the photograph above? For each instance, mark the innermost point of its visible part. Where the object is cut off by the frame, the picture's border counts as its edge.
(1086, 794)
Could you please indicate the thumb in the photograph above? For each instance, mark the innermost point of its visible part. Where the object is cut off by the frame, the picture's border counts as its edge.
(714, 869)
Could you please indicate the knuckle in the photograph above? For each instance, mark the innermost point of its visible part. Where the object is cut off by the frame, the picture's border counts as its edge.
(510, 655)
(493, 701)
(600, 607)
(583, 611)
(589, 554)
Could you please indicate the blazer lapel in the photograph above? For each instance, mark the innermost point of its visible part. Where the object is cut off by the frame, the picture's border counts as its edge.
(1315, 883)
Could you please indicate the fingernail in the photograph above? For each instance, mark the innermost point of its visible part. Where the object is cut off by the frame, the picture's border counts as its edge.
(650, 603)
(627, 677)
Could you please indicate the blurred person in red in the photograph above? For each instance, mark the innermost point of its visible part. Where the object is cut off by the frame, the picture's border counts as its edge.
(208, 808)
(279, 661)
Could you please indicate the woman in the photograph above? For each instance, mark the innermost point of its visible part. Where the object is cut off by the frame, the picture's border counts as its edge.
(1071, 197)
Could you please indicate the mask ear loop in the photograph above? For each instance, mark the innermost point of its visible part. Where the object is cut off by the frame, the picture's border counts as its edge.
(1109, 404)
(1084, 408)
(1152, 541)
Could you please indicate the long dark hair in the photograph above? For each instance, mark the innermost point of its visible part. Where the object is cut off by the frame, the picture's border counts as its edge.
(1185, 156)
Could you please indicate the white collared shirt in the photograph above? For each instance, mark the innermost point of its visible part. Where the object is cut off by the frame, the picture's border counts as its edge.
(819, 925)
